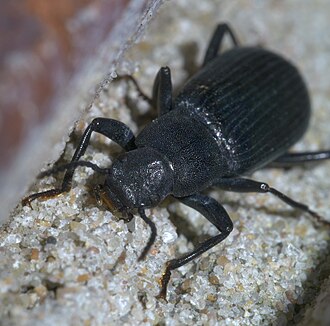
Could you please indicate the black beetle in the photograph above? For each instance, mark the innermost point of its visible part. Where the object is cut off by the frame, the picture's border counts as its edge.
(240, 112)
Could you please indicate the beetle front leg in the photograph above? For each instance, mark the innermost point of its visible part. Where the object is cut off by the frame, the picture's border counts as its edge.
(112, 129)
(215, 44)
(217, 215)
(248, 185)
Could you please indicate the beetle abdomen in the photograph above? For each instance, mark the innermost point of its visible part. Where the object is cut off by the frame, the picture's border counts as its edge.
(253, 101)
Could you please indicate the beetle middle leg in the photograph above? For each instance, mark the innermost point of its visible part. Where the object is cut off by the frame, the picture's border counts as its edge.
(112, 129)
(217, 215)
(248, 185)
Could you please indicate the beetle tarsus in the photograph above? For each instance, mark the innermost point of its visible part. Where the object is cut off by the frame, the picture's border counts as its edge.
(164, 280)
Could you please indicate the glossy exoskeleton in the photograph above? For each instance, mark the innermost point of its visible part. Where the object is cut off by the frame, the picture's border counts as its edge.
(241, 111)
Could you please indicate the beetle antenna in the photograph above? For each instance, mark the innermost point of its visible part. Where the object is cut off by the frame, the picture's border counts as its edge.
(72, 166)
(152, 235)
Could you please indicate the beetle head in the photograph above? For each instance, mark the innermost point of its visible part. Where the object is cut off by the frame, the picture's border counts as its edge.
(139, 178)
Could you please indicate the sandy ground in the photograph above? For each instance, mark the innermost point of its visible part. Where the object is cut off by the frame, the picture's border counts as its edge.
(69, 261)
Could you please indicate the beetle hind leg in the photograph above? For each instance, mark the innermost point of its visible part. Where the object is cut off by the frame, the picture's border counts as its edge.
(248, 185)
(216, 41)
(293, 159)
